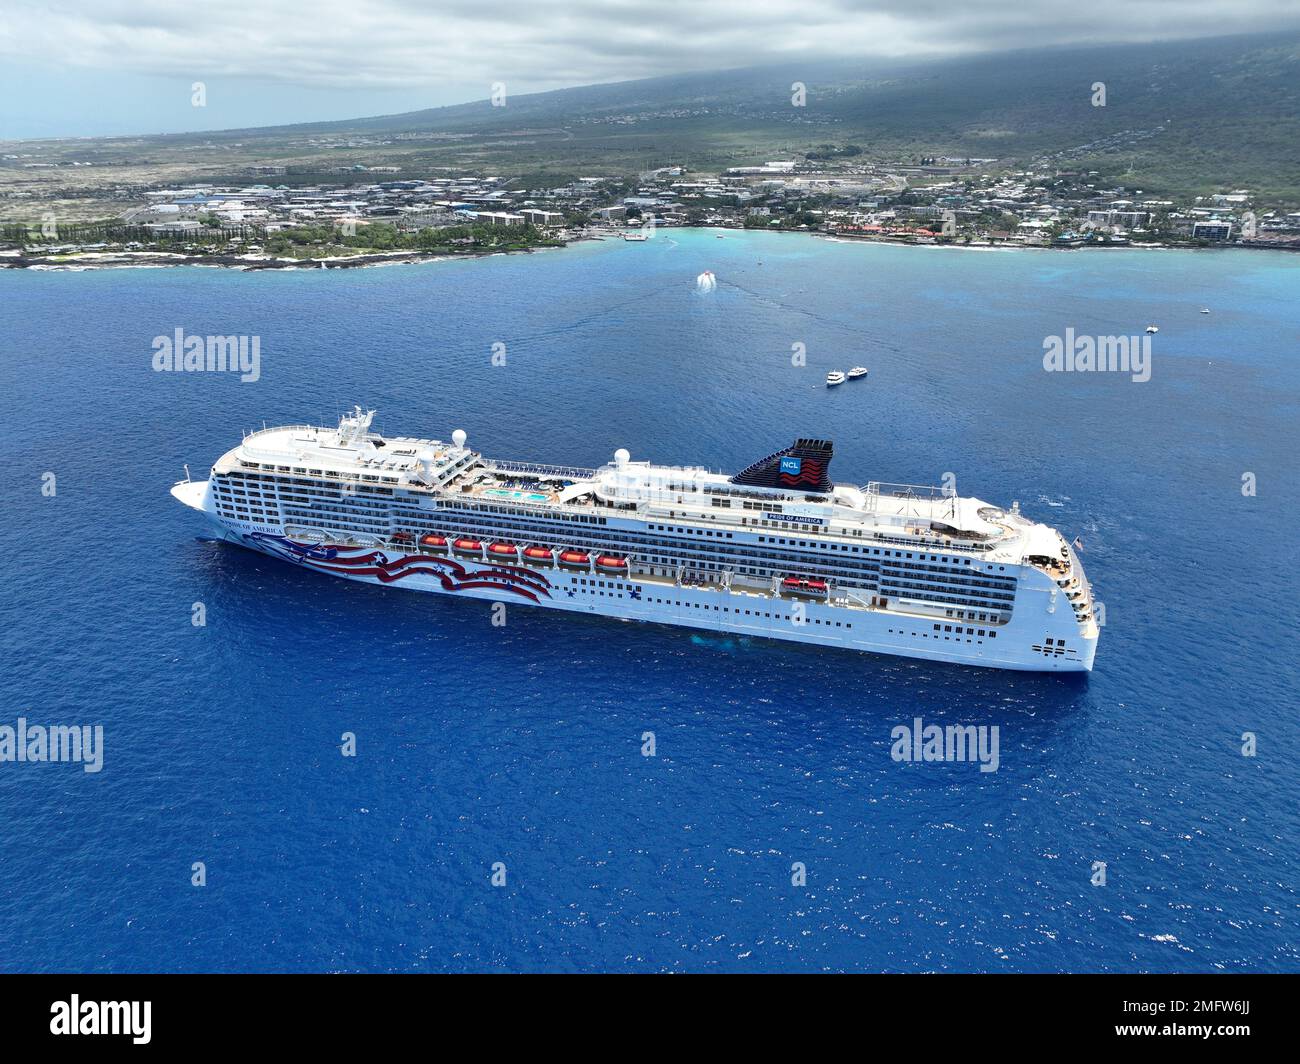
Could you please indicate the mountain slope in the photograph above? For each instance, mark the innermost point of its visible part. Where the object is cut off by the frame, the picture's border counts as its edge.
(1190, 114)
(1180, 118)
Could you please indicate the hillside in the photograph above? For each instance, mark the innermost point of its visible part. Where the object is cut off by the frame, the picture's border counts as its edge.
(1181, 118)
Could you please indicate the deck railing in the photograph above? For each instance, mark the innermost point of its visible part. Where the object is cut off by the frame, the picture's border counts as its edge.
(538, 469)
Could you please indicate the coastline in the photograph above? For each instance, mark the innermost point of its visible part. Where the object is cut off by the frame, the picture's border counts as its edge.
(77, 262)
(125, 260)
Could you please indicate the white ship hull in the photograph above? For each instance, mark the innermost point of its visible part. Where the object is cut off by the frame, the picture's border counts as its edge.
(1027, 641)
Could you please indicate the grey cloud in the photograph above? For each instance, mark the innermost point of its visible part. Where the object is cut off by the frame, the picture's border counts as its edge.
(550, 43)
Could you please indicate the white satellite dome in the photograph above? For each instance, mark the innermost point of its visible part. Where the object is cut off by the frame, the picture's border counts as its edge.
(622, 457)
(458, 437)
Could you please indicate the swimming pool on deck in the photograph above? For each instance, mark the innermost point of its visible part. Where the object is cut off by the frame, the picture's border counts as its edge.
(517, 496)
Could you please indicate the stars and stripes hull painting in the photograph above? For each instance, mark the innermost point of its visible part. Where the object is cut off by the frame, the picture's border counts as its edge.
(389, 567)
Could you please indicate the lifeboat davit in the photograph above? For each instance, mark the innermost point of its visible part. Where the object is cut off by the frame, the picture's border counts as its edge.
(611, 563)
(502, 549)
(434, 542)
(575, 559)
(539, 554)
(467, 546)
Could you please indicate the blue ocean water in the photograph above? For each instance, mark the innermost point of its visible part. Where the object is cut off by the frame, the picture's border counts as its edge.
(522, 744)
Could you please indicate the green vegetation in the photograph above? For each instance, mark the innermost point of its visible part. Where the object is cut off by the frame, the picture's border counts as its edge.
(298, 242)
(1181, 119)
(831, 151)
(794, 218)
(113, 232)
(319, 241)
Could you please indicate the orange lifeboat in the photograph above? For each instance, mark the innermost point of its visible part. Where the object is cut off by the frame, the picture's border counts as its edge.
(502, 550)
(401, 537)
(611, 563)
(799, 586)
(467, 546)
(575, 559)
(434, 542)
(539, 554)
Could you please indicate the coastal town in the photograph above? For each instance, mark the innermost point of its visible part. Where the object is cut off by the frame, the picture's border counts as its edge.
(377, 213)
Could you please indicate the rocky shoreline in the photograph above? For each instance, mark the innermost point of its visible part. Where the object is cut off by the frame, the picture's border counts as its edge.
(107, 260)
(103, 260)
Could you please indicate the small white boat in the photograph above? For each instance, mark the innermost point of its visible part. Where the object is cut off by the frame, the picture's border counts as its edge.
(636, 237)
(1205, 310)
(856, 372)
(1153, 329)
(834, 377)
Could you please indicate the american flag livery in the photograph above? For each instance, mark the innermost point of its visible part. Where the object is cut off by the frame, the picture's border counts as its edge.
(365, 561)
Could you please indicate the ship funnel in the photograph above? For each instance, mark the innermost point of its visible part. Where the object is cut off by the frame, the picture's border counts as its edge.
(805, 465)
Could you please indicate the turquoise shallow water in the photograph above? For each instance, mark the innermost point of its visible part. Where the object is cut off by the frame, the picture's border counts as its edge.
(523, 744)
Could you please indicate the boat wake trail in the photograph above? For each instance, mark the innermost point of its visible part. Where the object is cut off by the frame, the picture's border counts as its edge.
(587, 319)
(794, 308)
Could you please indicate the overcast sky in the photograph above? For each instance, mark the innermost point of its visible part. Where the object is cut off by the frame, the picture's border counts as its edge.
(91, 67)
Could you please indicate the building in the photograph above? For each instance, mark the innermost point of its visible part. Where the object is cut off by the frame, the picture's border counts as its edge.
(179, 227)
(498, 218)
(1212, 231)
(1123, 218)
(542, 218)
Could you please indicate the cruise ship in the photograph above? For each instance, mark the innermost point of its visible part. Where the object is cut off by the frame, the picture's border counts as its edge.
(777, 551)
